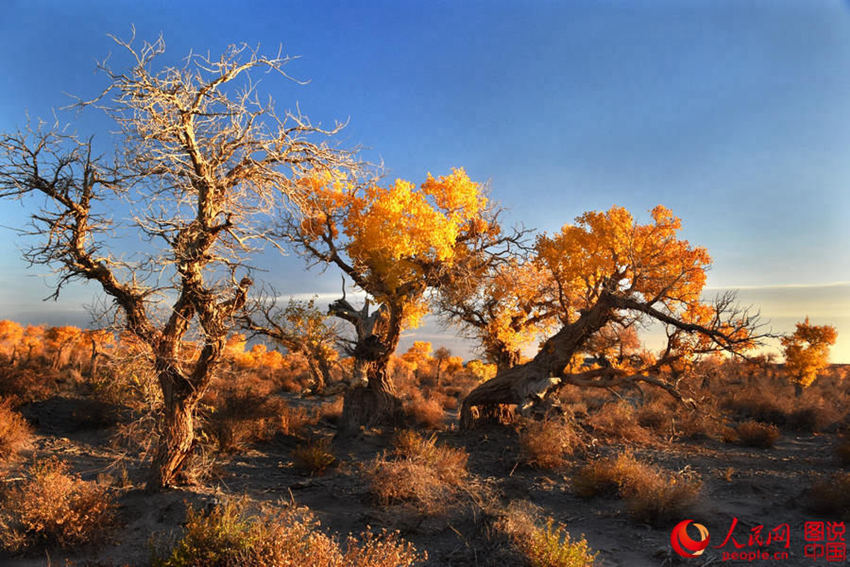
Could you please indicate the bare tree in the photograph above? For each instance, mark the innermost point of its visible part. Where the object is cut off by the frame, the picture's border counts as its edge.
(204, 163)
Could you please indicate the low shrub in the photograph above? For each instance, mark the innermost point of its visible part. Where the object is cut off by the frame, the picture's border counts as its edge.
(546, 444)
(651, 495)
(419, 471)
(230, 537)
(425, 412)
(239, 420)
(54, 507)
(813, 417)
(755, 434)
(24, 384)
(542, 543)
(656, 416)
(314, 456)
(618, 421)
(767, 409)
(15, 432)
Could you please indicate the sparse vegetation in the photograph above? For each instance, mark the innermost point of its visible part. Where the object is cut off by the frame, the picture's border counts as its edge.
(651, 495)
(755, 434)
(228, 536)
(541, 541)
(314, 456)
(225, 420)
(547, 443)
(15, 432)
(419, 471)
(54, 507)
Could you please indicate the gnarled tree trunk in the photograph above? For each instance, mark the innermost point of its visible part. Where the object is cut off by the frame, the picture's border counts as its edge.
(373, 403)
(524, 384)
(177, 435)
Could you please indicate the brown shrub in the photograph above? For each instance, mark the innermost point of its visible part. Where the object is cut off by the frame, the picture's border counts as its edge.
(702, 423)
(314, 456)
(657, 416)
(831, 497)
(651, 495)
(15, 432)
(618, 420)
(419, 471)
(54, 507)
(541, 541)
(755, 434)
(240, 420)
(764, 406)
(229, 537)
(813, 417)
(24, 384)
(425, 412)
(545, 444)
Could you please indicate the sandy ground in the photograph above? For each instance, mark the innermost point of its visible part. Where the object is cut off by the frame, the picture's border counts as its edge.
(756, 486)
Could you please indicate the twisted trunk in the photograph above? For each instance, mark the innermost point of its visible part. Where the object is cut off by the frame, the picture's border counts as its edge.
(176, 439)
(373, 403)
(524, 384)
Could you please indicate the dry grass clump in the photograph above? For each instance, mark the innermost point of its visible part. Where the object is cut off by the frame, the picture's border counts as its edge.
(229, 537)
(239, 420)
(651, 495)
(546, 444)
(15, 432)
(618, 421)
(831, 497)
(813, 417)
(542, 542)
(419, 471)
(425, 412)
(761, 404)
(54, 507)
(23, 384)
(314, 456)
(657, 416)
(755, 434)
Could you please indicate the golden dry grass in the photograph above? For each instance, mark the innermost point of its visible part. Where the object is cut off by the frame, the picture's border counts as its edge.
(228, 536)
(15, 432)
(418, 471)
(54, 507)
(541, 541)
(651, 495)
(546, 444)
(314, 456)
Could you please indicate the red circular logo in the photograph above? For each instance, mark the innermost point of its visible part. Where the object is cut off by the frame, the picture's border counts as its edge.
(682, 542)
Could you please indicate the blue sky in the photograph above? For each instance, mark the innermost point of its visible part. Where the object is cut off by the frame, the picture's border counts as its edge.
(734, 114)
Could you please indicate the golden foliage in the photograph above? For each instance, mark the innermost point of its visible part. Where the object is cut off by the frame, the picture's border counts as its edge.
(807, 351)
(396, 238)
(610, 249)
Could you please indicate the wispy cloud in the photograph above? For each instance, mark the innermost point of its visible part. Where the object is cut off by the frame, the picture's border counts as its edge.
(780, 286)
